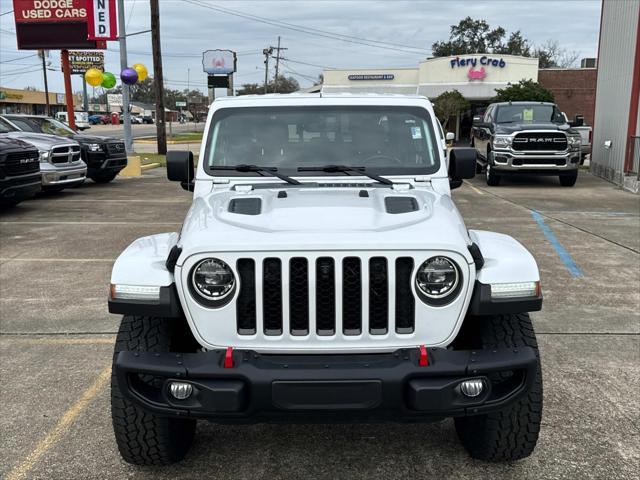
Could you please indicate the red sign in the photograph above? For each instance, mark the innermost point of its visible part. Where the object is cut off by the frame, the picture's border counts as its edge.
(101, 16)
(49, 11)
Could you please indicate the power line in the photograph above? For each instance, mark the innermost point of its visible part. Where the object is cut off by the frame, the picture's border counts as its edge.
(308, 64)
(312, 31)
(19, 58)
(6, 13)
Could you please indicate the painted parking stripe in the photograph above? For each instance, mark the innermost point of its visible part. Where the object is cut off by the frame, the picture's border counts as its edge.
(566, 258)
(54, 436)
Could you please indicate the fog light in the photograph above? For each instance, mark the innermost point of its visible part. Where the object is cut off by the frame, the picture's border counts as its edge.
(472, 388)
(180, 390)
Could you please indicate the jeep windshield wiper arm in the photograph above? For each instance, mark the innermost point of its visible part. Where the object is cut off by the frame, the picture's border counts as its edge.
(273, 171)
(346, 169)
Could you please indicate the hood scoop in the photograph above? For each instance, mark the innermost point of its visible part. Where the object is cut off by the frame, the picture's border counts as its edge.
(245, 206)
(395, 205)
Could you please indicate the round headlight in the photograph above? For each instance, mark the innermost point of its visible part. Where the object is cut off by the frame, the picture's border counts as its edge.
(213, 279)
(437, 279)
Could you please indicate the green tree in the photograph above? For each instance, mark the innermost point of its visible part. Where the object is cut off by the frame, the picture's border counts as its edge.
(279, 85)
(524, 90)
(449, 104)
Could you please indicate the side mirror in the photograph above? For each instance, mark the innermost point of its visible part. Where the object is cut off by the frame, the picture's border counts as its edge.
(462, 164)
(450, 136)
(578, 121)
(180, 168)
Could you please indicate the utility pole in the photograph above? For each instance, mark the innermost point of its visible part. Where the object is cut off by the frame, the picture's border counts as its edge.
(277, 49)
(46, 83)
(267, 53)
(157, 77)
(122, 39)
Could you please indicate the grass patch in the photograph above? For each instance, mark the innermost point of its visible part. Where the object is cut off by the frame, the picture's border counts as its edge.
(187, 136)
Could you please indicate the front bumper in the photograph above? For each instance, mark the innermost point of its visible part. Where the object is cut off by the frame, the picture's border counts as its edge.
(53, 175)
(20, 186)
(101, 162)
(511, 161)
(363, 387)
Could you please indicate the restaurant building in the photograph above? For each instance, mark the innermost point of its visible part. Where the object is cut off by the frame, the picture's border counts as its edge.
(33, 102)
(475, 76)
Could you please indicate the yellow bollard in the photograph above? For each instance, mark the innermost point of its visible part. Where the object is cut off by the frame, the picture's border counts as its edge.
(133, 168)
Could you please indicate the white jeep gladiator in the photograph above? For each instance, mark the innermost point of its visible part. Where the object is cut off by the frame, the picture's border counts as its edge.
(323, 273)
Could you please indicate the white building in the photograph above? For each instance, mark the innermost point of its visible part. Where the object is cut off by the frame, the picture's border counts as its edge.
(475, 76)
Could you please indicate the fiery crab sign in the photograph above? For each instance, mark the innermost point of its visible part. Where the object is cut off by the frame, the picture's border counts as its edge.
(219, 62)
(102, 19)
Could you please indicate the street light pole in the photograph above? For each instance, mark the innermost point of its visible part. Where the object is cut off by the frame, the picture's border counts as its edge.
(122, 37)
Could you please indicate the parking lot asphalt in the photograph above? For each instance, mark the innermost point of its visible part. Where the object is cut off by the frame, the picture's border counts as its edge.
(56, 340)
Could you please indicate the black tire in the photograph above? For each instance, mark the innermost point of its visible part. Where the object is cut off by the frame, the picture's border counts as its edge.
(142, 437)
(568, 180)
(104, 178)
(493, 179)
(512, 433)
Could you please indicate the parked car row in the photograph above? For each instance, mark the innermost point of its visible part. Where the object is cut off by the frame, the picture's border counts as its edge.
(65, 158)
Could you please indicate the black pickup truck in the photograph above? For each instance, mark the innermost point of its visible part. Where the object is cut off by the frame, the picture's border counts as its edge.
(20, 176)
(526, 138)
(104, 156)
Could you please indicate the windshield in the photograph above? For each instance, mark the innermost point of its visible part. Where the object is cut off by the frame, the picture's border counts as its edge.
(5, 127)
(42, 125)
(529, 114)
(384, 140)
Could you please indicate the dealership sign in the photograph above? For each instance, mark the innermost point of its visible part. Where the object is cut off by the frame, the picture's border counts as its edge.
(101, 17)
(219, 62)
(36, 11)
(372, 76)
(80, 62)
(53, 25)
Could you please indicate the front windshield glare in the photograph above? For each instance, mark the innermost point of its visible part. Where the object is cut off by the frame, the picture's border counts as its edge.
(391, 140)
(43, 125)
(529, 114)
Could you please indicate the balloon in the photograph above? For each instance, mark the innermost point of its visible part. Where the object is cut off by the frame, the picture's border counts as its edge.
(129, 76)
(142, 71)
(93, 76)
(108, 80)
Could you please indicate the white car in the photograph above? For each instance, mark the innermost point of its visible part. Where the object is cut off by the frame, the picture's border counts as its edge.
(324, 272)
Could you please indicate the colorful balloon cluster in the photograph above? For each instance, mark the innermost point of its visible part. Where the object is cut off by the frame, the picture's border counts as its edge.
(129, 76)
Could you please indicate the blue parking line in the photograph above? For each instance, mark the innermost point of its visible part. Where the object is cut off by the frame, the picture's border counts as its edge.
(562, 253)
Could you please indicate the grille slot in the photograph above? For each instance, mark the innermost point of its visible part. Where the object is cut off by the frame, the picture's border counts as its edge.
(299, 296)
(540, 141)
(325, 296)
(378, 296)
(21, 163)
(246, 304)
(272, 296)
(405, 302)
(351, 296)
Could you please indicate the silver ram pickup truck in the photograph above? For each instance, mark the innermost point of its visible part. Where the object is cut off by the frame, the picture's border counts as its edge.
(60, 161)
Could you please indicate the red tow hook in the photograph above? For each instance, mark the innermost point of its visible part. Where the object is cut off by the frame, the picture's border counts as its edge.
(228, 358)
(424, 359)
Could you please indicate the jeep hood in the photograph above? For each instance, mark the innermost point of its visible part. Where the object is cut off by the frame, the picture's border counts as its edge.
(42, 141)
(324, 218)
(82, 138)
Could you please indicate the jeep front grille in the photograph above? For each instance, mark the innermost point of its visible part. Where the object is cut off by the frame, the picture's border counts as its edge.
(325, 296)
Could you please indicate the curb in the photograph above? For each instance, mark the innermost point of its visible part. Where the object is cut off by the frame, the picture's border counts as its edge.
(149, 166)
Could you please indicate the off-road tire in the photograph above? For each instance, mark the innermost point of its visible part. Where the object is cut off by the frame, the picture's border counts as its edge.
(142, 437)
(512, 433)
(568, 180)
(104, 178)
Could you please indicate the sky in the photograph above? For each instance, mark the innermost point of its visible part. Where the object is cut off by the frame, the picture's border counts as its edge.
(317, 34)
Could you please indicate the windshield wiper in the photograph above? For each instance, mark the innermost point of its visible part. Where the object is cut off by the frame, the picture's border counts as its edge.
(273, 171)
(346, 169)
